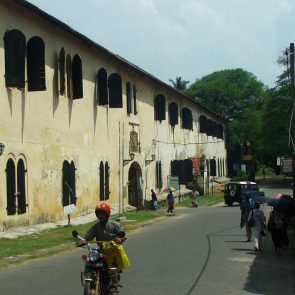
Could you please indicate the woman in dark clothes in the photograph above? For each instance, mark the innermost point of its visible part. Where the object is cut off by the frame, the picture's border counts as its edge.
(275, 226)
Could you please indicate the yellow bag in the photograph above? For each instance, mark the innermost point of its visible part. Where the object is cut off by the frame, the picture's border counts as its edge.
(116, 256)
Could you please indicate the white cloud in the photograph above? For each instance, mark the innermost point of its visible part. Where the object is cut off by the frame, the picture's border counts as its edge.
(188, 38)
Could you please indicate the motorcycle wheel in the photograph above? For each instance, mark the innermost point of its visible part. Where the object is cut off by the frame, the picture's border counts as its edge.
(92, 288)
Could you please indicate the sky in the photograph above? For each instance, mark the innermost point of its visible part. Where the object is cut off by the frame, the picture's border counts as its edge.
(186, 38)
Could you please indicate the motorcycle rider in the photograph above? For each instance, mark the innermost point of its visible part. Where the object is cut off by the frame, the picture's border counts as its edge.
(106, 230)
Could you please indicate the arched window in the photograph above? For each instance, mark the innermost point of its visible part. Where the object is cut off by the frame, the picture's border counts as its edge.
(68, 183)
(61, 65)
(107, 185)
(77, 77)
(10, 187)
(36, 64)
(115, 91)
(159, 107)
(173, 114)
(15, 52)
(21, 187)
(187, 119)
(101, 181)
(102, 87)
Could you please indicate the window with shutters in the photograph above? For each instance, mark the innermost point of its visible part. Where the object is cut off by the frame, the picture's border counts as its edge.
(36, 64)
(69, 183)
(187, 119)
(173, 114)
(62, 73)
(131, 98)
(102, 87)
(16, 187)
(15, 52)
(115, 91)
(159, 107)
(159, 181)
(77, 77)
(104, 181)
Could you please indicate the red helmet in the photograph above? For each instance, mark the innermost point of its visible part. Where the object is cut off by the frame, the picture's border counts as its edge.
(103, 207)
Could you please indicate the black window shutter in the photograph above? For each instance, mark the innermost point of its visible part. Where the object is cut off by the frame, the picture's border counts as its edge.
(159, 105)
(102, 87)
(107, 187)
(21, 185)
(135, 99)
(101, 181)
(10, 187)
(173, 114)
(77, 77)
(66, 182)
(73, 183)
(129, 98)
(36, 64)
(115, 91)
(61, 64)
(15, 52)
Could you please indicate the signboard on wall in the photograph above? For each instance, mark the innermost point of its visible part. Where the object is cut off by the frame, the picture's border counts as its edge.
(69, 209)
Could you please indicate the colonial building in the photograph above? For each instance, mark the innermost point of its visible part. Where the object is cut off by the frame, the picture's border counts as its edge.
(80, 124)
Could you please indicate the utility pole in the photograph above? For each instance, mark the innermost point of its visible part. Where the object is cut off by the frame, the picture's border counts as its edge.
(292, 92)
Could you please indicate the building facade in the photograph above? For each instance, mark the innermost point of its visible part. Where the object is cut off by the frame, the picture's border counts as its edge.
(81, 124)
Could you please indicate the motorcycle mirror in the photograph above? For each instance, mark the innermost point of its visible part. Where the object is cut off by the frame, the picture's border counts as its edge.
(121, 234)
(75, 233)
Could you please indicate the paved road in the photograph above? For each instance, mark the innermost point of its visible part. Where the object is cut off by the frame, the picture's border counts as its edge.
(197, 251)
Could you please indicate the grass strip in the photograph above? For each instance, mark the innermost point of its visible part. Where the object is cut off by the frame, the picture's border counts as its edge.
(56, 240)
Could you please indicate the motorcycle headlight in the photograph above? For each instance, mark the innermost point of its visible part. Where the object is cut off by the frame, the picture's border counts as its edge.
(93, 256)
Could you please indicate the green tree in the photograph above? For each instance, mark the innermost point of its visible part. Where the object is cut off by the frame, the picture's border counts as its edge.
(239, 97)
(228, 92)
(179, 84)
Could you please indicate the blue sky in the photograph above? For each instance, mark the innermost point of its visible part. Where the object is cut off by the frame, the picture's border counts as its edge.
(187, 38)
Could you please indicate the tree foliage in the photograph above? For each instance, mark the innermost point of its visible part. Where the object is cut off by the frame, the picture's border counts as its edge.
(228, 92)
(179, 84)
(258, 117)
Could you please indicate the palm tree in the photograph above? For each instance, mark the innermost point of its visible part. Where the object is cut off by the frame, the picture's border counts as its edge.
(179, 84)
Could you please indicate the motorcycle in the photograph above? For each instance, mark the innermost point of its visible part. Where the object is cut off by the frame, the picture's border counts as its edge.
(103, 265)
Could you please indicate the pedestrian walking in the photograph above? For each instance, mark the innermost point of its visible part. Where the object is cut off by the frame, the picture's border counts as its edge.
(154, 201)
(258, 217)
(170, 199)
(246, 207)
(275, 225)
(195, 194)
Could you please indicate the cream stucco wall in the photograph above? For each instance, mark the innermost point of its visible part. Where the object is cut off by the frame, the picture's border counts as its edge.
(44, 128)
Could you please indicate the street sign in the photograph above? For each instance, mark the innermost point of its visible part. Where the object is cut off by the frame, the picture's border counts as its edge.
(69, 209)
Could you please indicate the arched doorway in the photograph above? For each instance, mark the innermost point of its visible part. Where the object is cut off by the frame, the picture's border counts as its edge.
(135, 186)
